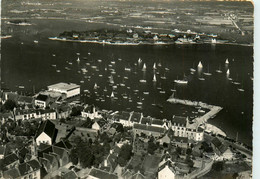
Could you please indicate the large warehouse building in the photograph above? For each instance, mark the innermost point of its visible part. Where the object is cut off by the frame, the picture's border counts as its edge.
(69, 89)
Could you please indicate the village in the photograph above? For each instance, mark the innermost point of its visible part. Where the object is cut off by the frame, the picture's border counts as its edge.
(52, 135)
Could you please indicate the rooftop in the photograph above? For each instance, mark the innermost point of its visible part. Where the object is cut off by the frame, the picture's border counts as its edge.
(64, 86)
(102, 174)
(179, 120)
(42, 97)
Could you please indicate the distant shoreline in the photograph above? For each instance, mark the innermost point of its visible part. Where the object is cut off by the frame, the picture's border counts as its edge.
(141, 42)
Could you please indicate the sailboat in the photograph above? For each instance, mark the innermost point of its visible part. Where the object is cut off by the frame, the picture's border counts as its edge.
(154, 66)
(181, 81)
(163, 77)
(139, 60)
(144, 67)
(112, 95)
(228, 72)
(219, 69)
(154, 78)
(95, 86)
(111, 80)
(78, 60)
(200, 65)
(207, 73)
(105, 89)
(227, 62)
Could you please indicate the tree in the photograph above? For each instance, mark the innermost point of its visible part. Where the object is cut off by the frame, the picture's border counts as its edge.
(9, 105)
(124, 155)
(151, 147)
(218, 166)
(75, 111)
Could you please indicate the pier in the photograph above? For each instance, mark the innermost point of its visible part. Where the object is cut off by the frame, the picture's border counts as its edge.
(202, 119)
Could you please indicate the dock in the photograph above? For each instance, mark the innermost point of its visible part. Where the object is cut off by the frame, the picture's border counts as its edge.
(202, 119)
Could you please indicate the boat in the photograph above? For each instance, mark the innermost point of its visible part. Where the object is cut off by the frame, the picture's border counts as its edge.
(167, 69)
(154, 78)
(200, 65)
(111, 80)
(125, 77)
(67, 68)
(144, 67)
(201, 78)
(95, 86)
(84, 70)
(154, 66)
(207, 73)
(162, 92)
(122, 84)
(143, 81)
(163, 77)
(136, 90)
(36, 41)
(181, 81)
(228, 72)
(146, 92)
(227, 62)
(192, 70)
(219, 69)
(99, 60)
(58, 71)
(54, 65)
(127, 69)
(81, 81)
(78, 53)
(21, 87)
(113, 62)
(241, 89)
(139, 60)
(78, 60)
(139, 103)
(112, 95)
(105, 89)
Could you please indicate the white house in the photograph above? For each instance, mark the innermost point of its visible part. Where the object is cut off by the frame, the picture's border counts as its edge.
(41, 101)
(90, 112)
(167, 171)
(46, 133)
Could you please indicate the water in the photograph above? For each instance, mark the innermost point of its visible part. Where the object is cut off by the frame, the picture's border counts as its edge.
(30, 64)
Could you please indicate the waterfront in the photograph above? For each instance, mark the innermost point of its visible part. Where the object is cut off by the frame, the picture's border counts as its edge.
(32, 65)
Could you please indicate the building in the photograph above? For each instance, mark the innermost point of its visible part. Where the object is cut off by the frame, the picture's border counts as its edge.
(122, 118)
(222, 151)
(42, 101)
(148, 130)
(90, 112)
(135, 118)
(32, 114)
(182, 128)
(46, 133)
(167, 170)
(100, 174)
(69, 89)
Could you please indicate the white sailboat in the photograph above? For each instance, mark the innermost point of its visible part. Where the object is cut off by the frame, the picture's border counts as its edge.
(95, 86)
(139, 60)
(78, 60)
(112, 95)
(111, 80)
(219, 70)
(163, 77)
(200, 65)
(144, 67)
(227, 62)
(154, 78)
(228, 72)
(181, 81)
(154, 66)
(207, 73)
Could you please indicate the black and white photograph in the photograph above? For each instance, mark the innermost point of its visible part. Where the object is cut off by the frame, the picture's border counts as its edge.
(126, 89)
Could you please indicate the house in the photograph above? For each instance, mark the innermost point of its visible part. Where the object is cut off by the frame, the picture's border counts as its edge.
(46, 114)
(90, 112)
(30, 169)
(42, 101)
(223, 152)
(2, 151)
(24, 100)
(11, 160)
(100, 174)
(135, 118)
(138, 175)
(123, 118)
(167, 170)
(46, 133)
(159, 123)
(98, 125)
(165, 140)
(182, 128)
(63, 111)
(32, 113)
(148, 130)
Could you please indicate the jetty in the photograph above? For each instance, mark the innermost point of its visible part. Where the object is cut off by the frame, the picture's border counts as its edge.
(202, 119)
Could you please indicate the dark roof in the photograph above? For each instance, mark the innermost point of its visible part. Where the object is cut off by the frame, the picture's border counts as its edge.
(12, 173)
(219, 145)
(49, 157)
(2, 150)
(70, 175)
(42, 97)
(124, 115)
(26, 99)
(136, 117)
(59, 151)
(9, 159)
(200, 129)
(24, 169)
(148, 128)
(179, 120)
(43, 146)
(102, 174)
(157, 122)
(34, 164)
(138, 175)
(64, 144)
(48, 128)
(179, 139)
(23, 151)
(146, 120)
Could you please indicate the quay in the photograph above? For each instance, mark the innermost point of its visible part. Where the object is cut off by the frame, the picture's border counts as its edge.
(202, 119)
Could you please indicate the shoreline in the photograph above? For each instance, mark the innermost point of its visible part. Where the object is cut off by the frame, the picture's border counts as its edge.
(141, 43)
